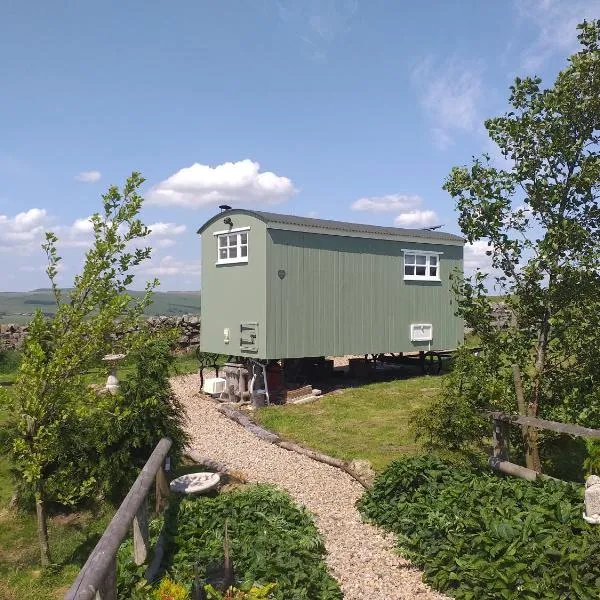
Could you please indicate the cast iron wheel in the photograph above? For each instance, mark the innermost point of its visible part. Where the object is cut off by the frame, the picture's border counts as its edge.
(432, 364)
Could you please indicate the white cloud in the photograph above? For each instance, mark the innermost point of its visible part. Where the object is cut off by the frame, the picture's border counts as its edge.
(388, 203)
(407, 207)
(166, 229)
(164, 243)
(82, 226)
(317, 23)
(88, 176)
(449, 93)
(556, 21)
(170, 266)
(416, 218)
(239, 182)
(24, 232)
(476, 257)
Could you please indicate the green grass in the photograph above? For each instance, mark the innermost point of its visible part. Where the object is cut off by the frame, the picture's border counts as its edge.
(371, 422)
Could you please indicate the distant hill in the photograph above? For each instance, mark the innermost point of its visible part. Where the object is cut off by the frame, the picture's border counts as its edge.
(18, 307)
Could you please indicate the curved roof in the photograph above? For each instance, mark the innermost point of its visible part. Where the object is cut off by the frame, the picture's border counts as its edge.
(293, 222)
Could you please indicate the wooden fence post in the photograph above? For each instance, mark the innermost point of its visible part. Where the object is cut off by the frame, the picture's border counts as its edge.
(161, 490)
(108, 589)
(141, 534)
(500, 439)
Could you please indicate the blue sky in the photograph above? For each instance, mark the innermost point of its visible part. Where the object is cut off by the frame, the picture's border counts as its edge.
(342, 109)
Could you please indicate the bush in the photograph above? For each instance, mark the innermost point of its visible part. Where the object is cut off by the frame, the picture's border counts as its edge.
(453, 419)
(116, 434)
(9, 361)
(271, 540)
(477, 535)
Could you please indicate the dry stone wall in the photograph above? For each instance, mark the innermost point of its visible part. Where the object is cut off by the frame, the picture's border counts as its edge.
(12, 336)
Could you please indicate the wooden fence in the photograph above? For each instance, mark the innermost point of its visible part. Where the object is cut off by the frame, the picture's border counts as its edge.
(502, 421)
(98, 577)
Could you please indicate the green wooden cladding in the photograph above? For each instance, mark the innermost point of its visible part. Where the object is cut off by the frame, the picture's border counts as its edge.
(314, 289)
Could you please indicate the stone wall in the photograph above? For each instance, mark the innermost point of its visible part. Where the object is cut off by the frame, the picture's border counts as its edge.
(12, 336)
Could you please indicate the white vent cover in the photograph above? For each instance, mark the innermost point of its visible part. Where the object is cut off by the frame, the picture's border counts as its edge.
(421, 332)
(213, 385)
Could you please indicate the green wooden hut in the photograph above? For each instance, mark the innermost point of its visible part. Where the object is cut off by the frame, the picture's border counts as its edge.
(281, 286)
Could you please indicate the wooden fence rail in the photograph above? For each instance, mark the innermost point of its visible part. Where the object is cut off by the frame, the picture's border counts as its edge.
(98, 577)
(500, 432)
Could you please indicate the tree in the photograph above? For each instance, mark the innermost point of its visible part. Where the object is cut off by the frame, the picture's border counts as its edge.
(540, 217)
(97, 316)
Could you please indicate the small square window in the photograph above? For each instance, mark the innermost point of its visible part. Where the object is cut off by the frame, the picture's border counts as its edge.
(421, 266)
(232, 247)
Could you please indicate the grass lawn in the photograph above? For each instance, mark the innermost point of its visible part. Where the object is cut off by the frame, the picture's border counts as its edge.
(370, 422)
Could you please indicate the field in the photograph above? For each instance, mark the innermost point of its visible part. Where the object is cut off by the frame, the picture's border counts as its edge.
(18, 307)
(371, 422)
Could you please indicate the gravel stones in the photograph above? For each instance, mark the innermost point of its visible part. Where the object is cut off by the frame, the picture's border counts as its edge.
(360, 556)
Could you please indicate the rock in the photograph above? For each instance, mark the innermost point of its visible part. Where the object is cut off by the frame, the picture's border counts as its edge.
(364, 470)
(592, 499)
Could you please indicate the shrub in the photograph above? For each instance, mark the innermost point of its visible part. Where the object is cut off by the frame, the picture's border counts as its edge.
(477, 535)
(112, 436)
(271, 540)
(9, 361)
(453, 419)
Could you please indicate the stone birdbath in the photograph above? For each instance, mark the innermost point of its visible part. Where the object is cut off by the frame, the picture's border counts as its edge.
(112, 360)
(195, 483)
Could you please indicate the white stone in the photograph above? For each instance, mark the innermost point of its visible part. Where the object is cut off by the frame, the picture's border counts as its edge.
(592, 500)
(195, 483)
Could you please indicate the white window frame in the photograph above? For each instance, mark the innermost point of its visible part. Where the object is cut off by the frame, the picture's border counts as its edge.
(427, 254)
(238, 259)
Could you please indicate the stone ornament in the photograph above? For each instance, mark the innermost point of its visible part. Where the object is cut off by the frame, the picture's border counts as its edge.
(112, 360)
(195, 483)
(592, 500)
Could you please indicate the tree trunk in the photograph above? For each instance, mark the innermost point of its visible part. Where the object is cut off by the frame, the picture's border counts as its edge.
(530, 437)
(540, 366)
(42, 525)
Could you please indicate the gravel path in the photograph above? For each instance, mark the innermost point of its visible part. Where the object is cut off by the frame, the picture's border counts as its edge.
(360, 556)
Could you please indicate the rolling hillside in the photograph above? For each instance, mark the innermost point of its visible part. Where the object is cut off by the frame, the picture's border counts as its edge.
(18, 307)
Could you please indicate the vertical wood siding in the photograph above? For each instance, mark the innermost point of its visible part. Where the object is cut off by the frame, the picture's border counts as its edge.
(347, 295)
(233, 293)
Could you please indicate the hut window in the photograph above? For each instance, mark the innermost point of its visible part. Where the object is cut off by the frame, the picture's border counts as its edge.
(232, 246)
(421, 265)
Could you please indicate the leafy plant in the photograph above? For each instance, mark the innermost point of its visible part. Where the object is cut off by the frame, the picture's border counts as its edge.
(477, 535)
(453, 418)
(592, 462)
(270, 538)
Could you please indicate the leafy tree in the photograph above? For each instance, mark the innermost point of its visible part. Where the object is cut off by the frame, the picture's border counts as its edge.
(97, 317)
(541, 219)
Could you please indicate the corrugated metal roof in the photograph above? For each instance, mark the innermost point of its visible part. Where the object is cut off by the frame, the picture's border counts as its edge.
(338, 226)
